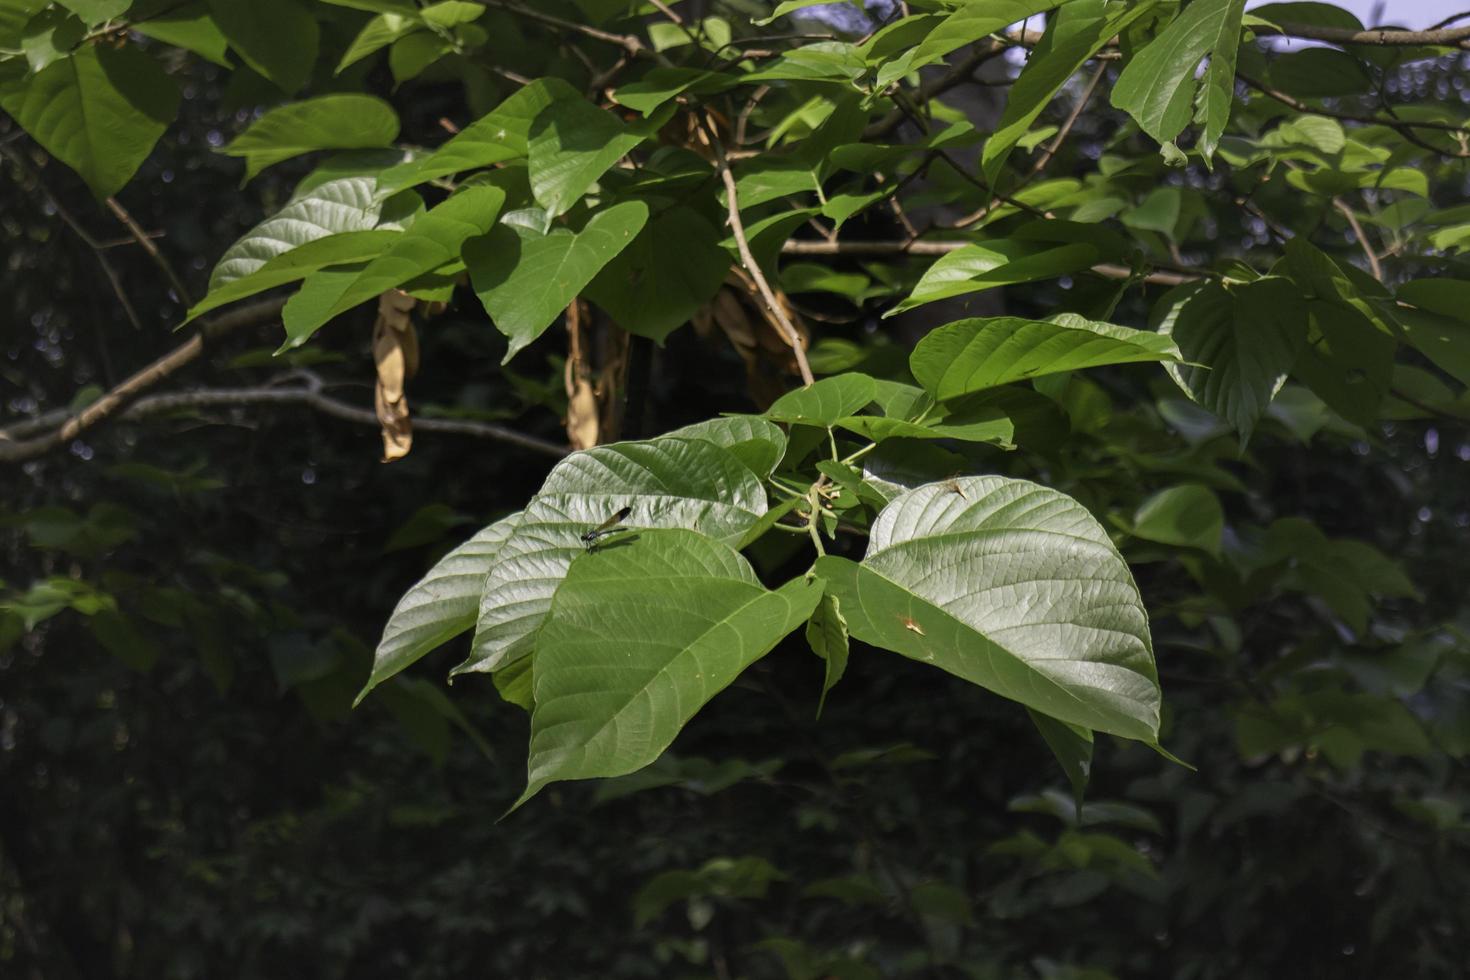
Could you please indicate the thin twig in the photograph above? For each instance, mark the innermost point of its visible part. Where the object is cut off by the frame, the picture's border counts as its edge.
(120, 396)
(957, 75)
(628, 42)
(1076, 113)
(1352, 219)
(1300, 106)
(1450, 20)
(144, 240)
(27, 171)
(737, 229)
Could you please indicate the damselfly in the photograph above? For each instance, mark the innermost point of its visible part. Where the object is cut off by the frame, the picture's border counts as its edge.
(607, 527)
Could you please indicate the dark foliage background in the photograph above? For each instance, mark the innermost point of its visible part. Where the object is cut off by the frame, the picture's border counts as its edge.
(184, 791)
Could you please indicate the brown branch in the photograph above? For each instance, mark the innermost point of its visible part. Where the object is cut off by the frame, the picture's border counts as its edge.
(737, 229)
(146, 242)
(311, 396)
(1450, 37)
(1106, 269)
(118, 398)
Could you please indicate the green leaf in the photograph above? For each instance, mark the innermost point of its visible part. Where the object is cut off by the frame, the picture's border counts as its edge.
(785, 7)
(672, 269)
(826, 632)
(1072, 746)
(440, 606)
(525, 280)
(983, 423)
(691, 616)
(1013, 587)
(430, 242)
(412, 55)
(825, 401)
(662, 84)
(972, 355)
(343, 122)
(189, 27)
(986, 265)
(667, 482)
(973, 21)
(1077, 31)
(94, 12)
(347, 248)
(377, 34)
(1189, 516)
(1316, 73)
(751, 439)
(499, 136)
(573, 143)
(1440, 328)
(278, 38)
(1157, 86)
(338, 205)
(452, 13)
(99, 111)
(1347, 362)
(50, 36)
(1237, 345)
(14, 16)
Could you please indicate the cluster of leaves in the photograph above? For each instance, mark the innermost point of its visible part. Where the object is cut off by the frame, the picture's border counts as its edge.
(1285, 327)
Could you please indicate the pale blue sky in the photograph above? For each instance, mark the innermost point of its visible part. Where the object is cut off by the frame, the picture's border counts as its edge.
(1409, 13)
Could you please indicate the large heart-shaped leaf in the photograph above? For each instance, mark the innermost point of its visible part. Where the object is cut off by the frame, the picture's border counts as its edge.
(573, 143)
(985, 265)
(495, 137)
(972, 355)
(637, 640)
(1237, 345)
(99, 111)
(347, 248)
(670, 271)
(666, 482)
(432, 241)
(525, 279)
(439, 606)
(346, 122)
(1013, 587)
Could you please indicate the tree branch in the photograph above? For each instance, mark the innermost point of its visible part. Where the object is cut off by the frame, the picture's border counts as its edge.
(1108, 270)
(1445, 37)
(737, 228)
(118, 398)
(311, 396)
